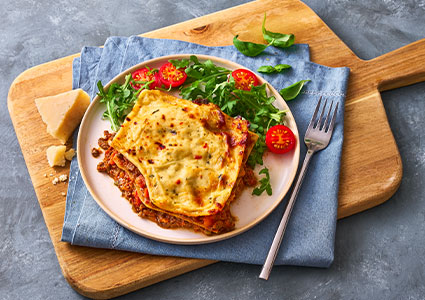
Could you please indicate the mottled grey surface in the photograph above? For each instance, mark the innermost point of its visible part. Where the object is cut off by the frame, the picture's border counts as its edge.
(379, 253)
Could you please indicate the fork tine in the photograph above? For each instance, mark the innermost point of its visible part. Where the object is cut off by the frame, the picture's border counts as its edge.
(319, 122)
(327, 117)
(313, 118)
(331, 125)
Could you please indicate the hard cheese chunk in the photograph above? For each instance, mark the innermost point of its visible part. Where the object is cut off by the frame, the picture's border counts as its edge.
(56, 156)
(69, 154)
(62, 113)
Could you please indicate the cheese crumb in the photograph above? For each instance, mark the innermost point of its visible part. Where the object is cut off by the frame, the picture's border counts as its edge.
(69, 154)
(45, 175)
(63, 194)
(62, 113)
(61, 178)
(56, 156)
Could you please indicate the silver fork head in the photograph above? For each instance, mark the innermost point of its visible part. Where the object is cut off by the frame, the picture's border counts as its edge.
(319, 134)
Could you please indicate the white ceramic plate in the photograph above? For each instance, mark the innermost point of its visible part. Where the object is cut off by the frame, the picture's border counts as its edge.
(248, 209)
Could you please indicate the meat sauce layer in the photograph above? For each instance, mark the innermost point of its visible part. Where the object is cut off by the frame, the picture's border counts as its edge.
(126, 176)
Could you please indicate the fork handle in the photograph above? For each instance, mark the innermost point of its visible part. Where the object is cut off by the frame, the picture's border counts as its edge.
(274, 248)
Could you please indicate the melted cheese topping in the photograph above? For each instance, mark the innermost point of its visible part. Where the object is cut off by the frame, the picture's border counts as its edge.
(189, 154)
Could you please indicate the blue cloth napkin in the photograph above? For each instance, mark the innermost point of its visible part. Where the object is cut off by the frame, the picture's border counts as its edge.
(309, 240)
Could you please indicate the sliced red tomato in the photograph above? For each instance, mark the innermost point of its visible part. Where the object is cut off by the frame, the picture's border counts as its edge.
(146, 75)
(280, 139)
(171, 76)
(244, 79)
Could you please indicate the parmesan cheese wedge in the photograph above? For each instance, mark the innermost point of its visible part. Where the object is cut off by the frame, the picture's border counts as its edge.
(56, 156)
(62, 113)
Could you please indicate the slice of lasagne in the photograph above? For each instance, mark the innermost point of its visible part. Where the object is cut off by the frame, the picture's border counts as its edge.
(180, 163)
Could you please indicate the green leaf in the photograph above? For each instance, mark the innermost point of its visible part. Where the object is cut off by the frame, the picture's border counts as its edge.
(248, 48)
(119, 100)
(194, 59)
(126, 93)
(264, 184)
(210, 85)
(280, 67)
(191, 72)
(264, 171)
(292, 91)
(101, 91)
(270, 69)
(266, 69)
(276, 39)
(210, 65)
(179, 63)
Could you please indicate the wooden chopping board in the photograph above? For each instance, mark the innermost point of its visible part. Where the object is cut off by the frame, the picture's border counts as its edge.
(371, 165)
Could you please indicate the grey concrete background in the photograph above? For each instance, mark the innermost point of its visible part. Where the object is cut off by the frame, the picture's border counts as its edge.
(379, 253)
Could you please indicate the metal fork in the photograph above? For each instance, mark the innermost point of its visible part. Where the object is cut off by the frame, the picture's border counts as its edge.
(316, 138)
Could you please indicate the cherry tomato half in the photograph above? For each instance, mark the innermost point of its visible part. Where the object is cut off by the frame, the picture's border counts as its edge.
(171, 76)
(146, 75)
(244, 79)
(280, 139)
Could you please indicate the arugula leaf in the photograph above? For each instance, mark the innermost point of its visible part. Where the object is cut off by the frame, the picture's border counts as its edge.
(292, 91)
(256, 156)
(270, 69)
(248, 48)
(119, 99)
(179, 63)
(208, 81)
(276, 39)
(264, 184)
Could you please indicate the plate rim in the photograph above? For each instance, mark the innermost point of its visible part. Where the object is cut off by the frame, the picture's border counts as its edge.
(187, 241)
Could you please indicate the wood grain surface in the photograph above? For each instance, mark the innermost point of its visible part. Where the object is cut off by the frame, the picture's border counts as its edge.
(371, 165)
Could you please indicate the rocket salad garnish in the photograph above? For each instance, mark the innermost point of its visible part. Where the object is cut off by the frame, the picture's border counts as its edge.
(237, 93)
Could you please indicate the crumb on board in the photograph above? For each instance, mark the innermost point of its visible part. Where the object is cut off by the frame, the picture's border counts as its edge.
(61, 178)
(63, 194)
